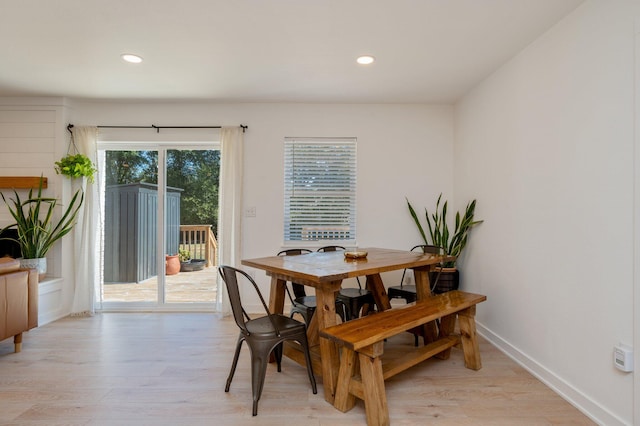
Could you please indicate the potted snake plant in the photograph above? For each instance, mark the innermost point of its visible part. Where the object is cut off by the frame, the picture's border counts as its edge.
(37, 230)
(452, 242)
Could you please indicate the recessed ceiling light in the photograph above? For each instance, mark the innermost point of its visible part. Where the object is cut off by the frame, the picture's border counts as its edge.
(134, 59)
(365, 60)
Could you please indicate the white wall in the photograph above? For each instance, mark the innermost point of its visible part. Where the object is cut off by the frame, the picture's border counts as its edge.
(32, 138)
(403, 150)
(546, 144)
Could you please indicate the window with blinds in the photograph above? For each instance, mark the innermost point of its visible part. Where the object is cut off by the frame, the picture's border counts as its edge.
(320, 189)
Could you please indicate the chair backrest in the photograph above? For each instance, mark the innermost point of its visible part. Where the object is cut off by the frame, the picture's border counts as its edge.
(230, 275)
(428, 249)
(330, 248)
(298, 289)
(293, 252)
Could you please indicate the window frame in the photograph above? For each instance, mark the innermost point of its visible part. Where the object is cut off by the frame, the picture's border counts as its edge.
(327, 225)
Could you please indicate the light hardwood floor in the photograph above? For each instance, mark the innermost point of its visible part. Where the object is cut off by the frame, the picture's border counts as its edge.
(170, 369)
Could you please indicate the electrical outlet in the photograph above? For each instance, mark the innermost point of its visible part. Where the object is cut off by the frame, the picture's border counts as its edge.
(408, 279)
(250, 212)
(623, 357)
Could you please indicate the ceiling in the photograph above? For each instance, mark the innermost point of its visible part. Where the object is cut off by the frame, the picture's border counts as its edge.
(427, 51)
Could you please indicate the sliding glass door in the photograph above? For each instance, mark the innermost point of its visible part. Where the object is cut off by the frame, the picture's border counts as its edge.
(160, 227)
(192, 218)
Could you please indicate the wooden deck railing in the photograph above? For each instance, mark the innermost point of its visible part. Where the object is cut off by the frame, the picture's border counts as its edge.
(200, 242)
(316, 233)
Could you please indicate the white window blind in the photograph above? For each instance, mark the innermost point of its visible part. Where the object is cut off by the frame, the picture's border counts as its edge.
(320, 189)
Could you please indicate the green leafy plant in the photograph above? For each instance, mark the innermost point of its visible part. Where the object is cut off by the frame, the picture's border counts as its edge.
(74, 166)
(184, 255)
(452, 242)
(36, 235)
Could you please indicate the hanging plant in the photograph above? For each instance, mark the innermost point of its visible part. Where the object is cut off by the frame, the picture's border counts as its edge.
(75, 164)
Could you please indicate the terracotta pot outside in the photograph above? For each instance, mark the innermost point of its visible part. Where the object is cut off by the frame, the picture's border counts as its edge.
(172, 264)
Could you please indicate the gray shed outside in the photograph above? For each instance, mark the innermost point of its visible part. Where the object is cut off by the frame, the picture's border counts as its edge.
(131, 224)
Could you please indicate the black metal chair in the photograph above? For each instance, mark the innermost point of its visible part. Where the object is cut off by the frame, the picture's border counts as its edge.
(354, 299)
(301, 303)
(263, 335)
(408, 292)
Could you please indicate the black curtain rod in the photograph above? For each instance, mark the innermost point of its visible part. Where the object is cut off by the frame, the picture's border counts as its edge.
(153, 126)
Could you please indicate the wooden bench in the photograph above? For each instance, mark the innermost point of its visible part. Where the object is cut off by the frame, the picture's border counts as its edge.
(365, 336)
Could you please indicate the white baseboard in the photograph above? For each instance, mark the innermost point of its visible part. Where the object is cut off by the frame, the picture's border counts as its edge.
(51, 316)
(50, 305)
(589, 407)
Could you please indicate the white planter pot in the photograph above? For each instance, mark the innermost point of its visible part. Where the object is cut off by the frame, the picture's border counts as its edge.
(40, 264)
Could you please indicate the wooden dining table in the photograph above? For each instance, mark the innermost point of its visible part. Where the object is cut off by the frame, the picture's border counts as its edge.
(325, 272)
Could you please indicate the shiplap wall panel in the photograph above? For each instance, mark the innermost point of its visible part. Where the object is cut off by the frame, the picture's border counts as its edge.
(27, 142)
(27, 116)
(27, 130)
(9, 145)
(14, 164)
(33, 163)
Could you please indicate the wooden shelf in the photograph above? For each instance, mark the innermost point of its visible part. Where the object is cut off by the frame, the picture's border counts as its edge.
(22, 182)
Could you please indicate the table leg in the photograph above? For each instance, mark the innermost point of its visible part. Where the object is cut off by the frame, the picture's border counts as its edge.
(376, 287)
(312, 332)
(345, 401)
(276, 295)
(329, 354)
(423, 290)
(423, 284)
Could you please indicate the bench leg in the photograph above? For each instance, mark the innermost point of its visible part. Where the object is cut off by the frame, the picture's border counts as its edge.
(447, 326)
(469, 339)
(375, 398)
(345, 401)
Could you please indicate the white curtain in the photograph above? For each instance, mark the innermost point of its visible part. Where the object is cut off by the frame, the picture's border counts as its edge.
(86, 253)
(231, 175)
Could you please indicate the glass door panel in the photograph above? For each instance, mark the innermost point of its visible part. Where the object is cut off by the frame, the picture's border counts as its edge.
(130, 226)
(192, 196)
